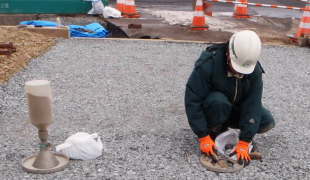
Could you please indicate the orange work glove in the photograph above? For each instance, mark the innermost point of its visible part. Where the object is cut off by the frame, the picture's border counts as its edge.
(242, 151)
(207, 145)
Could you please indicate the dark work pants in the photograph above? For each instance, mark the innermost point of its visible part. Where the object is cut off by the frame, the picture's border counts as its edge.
(221, 114)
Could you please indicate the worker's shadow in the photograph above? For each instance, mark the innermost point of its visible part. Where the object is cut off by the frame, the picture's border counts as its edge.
(187, 145)
(276, 142)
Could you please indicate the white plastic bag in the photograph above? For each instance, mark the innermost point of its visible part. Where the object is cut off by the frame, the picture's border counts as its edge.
(97, 7)
(226, 143)
(109, 12)
(82, 146)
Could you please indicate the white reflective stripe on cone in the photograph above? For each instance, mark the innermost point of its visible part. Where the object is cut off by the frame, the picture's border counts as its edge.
(304, 25)
(131, 2)
(242, 5)
(199, 13)
(199, 3)
(306, 14)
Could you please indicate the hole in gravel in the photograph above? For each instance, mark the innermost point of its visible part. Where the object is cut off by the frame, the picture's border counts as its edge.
(116, 32)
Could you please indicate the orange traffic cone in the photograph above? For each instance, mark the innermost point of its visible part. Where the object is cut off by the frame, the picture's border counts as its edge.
(199, 19)
(304, 26)
(120, 5)
(241, 10)
(130, 10)
(207, 8)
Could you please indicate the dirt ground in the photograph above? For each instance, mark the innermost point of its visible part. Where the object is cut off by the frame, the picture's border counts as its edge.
(28, 45)
(176, 24)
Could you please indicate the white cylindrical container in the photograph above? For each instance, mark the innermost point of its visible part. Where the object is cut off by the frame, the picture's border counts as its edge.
(39, 96)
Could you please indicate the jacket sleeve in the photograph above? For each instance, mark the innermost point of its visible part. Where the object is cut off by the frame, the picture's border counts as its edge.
(196, 92)
(251, 109)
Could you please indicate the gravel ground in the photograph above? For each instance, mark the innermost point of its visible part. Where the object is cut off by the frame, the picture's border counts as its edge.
(135, 102)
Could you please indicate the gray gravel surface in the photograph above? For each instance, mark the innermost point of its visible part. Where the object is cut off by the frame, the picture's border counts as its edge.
(131, 93)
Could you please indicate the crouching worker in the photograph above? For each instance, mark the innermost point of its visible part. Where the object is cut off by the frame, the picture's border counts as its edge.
(225, 90)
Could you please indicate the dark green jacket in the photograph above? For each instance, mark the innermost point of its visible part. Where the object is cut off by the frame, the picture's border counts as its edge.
(210, 74)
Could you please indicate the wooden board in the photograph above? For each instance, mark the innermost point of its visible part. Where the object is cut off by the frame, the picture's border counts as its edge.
(54, 32)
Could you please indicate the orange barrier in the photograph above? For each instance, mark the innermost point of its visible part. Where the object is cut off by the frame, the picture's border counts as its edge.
(241, 10)
(259, 4)
(199, 20)
(130, 10)
(304, 26)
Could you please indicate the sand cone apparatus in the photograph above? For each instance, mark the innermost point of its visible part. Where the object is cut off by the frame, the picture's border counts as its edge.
(120, 5)
(241, 10)
(304, 26)
(130, 10)
(199, 19)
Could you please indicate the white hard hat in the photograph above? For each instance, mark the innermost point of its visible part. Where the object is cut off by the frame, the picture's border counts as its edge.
(244, 51)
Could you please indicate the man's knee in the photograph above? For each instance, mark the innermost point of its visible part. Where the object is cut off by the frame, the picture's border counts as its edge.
(217, 109)
(267, 122)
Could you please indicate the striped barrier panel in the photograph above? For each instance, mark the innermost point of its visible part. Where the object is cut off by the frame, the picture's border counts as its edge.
(261, 5)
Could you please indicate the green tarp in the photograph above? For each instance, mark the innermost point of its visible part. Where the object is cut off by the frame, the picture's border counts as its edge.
(44, 6)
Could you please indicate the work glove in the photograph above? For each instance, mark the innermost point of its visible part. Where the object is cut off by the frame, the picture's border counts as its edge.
(242, 151)
(207, 145)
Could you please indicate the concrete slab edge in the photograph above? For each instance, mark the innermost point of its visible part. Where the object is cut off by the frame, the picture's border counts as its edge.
(153, 40)
(173, 41)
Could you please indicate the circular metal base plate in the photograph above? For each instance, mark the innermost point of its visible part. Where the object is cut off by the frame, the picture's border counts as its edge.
(221, 166)
(27, 164)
